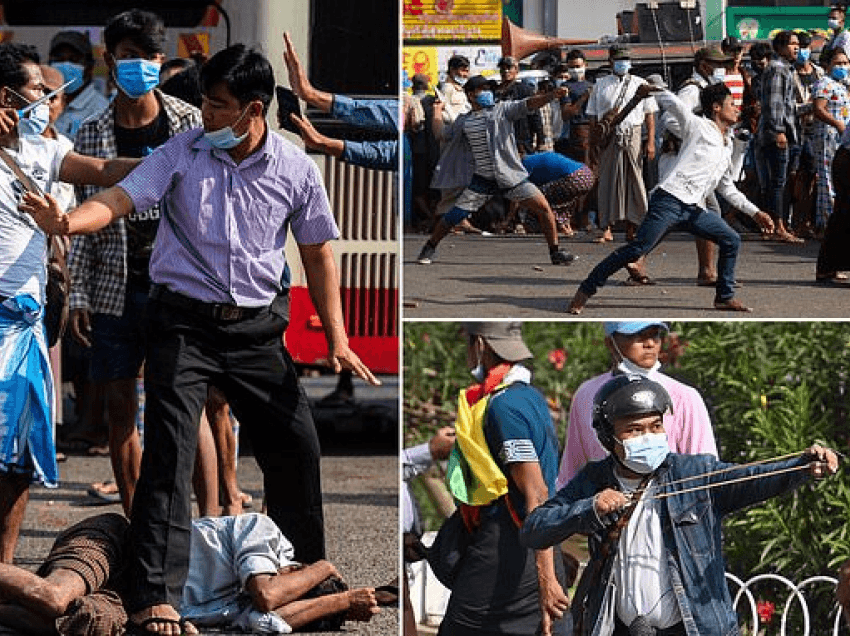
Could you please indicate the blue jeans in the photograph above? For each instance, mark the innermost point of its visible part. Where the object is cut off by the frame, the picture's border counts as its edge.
(776, 163)
(667, 213)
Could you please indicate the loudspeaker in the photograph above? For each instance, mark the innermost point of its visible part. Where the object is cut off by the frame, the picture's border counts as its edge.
(669, 22)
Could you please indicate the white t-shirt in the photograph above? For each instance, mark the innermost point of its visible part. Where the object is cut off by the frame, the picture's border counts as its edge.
(23, 246)
(606, 94)
(640, 572)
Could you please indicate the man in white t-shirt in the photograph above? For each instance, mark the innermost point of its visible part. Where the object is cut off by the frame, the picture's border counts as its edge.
(27, 452)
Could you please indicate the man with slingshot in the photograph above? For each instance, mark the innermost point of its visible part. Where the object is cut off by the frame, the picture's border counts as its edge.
(654, 520)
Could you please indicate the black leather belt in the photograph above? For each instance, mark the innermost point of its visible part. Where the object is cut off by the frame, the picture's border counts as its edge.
(217, 311)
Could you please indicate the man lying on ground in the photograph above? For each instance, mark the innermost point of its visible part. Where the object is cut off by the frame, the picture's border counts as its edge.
(241, 575)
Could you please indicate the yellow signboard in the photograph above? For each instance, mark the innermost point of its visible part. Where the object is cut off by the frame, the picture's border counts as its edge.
(421, 60)
(452, 20)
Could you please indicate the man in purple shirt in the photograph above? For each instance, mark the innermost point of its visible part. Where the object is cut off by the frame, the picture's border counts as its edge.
(228, 194)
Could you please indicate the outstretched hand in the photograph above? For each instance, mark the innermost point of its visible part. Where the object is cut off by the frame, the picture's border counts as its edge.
(312, 138)
(342, 357)
(824, 461)
(645, 90)
(764, 221)
(45, 211)
(297, 75)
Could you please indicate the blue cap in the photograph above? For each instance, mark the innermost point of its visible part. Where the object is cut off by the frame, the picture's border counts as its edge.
(629, 328)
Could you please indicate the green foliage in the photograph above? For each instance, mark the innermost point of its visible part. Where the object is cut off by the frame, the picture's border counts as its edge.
(772, 388)
(776, 388)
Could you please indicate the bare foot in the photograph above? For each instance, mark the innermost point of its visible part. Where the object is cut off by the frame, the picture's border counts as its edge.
(162, 620)
(362, 604)
(578, 302)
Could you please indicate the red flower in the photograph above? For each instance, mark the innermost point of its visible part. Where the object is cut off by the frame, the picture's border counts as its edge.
(558, 358)
(765, 610)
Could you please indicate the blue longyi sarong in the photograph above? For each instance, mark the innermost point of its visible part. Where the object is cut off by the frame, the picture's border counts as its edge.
(27, 403)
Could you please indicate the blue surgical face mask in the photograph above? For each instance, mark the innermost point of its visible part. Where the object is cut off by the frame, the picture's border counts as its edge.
(485, 99)
(70, 73)
(643, 454)
(839, 73)
(225, 138)
(460, 81)
(35, 121)
(803, 55)
(621, 67)
(834, 24)
(136, 77)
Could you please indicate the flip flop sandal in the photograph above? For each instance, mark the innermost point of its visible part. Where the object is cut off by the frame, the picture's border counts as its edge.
(99, 492)
(386, 595)
(140, 629)
(638, 280)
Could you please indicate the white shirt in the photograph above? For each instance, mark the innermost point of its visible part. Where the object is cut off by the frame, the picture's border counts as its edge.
(640, 572)
(225, 553)
(456, 102)
(689, 95)
(23, 246)
(415, 461)
(605, 93)
(704, 161)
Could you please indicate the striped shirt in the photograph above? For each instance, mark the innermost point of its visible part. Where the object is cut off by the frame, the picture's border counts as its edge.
(735, 83)
(98, 262)
(475, 129)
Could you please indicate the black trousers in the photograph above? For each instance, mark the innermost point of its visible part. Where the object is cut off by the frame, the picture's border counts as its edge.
(247, 361)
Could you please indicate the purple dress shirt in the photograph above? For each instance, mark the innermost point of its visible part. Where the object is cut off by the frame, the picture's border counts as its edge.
(223, 226)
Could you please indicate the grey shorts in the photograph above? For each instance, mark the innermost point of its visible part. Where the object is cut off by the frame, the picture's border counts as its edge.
(481, 190)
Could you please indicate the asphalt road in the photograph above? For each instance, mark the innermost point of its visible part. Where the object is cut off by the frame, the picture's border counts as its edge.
(510, 276)
(359, 482)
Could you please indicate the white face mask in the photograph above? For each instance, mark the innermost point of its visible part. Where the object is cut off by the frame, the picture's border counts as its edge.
(718, 75)
(627, 367)
(577, 73)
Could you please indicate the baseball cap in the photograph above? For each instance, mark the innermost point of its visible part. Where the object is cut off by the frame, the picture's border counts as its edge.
(505, 338)
(476, 82)
(78, 41)
(629, 328)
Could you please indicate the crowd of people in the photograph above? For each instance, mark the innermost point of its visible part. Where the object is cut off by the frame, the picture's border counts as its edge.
(177, 197)
(612, 150)
(638, 462)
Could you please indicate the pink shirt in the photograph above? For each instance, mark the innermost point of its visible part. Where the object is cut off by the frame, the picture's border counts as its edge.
(688, 427)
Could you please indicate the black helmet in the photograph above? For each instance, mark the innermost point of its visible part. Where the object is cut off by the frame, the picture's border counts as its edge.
(626, 395)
